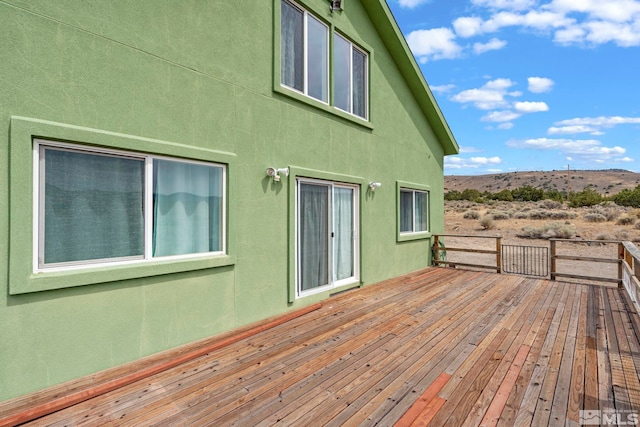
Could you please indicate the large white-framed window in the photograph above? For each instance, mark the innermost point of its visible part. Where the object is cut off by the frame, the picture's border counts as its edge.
(350, 77)
(304, 52)
(327, 235)
(414, 211)
(95, 206)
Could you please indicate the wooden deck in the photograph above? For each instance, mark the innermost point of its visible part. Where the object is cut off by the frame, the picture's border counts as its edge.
(443, 346)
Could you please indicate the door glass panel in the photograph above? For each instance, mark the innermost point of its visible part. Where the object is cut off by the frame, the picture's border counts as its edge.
(313, 241)
(343, 226)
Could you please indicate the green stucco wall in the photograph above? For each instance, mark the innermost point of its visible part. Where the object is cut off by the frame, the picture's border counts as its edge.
(190, 77)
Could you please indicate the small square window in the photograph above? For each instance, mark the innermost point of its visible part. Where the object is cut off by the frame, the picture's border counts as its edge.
(414, 211)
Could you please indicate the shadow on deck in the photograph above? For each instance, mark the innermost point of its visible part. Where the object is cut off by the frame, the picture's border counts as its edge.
(441, 345)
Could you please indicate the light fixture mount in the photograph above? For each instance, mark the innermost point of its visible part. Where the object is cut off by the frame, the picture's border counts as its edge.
(374, 184)
(335, 5)
(275, 173)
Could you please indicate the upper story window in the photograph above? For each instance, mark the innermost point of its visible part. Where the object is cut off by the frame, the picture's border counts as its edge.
(97, 206)
(305, 65)
(350, 76)
(414, 211)
(304, 52)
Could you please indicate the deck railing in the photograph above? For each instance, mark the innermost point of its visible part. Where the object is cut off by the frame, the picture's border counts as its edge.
(627, 260)
(439, 249)
(630, 272)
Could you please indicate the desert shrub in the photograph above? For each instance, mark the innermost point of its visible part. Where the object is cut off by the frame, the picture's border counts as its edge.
(487, 223)
(637, 226)
(603, 236)
(549, 231)
(562, 215)
(626, 220)
(594, 217)
(586, 197)
(471, 194)
(628, 197)
(471, 215)
(550, 204)
(521, 215)
(527, 194)
(504, 195)
(498, 215)
(538, 214)
(622, 235)
(555, 215)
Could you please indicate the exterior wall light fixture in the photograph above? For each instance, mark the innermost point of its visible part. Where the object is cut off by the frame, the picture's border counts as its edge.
(335, 5)
(275, 173)
(375, 184)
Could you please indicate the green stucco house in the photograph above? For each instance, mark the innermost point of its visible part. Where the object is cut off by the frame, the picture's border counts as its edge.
(171, 170)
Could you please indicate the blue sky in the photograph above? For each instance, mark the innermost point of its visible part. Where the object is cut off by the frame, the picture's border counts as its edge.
(531, 84)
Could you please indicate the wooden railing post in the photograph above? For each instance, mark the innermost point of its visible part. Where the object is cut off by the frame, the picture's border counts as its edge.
(621, 258)
(436, 250)
(552, 249)
(499, 254)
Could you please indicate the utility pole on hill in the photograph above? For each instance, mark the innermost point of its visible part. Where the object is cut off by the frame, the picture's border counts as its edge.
(568, 182)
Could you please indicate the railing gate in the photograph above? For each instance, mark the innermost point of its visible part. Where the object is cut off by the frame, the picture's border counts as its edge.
(526, 260)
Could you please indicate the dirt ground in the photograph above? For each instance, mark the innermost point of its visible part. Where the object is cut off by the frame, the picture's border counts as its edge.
(590, 239)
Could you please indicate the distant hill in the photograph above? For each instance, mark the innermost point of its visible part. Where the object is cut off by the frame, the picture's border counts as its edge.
(607, 182)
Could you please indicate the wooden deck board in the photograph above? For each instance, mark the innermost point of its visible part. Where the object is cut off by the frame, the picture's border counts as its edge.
(367, 356)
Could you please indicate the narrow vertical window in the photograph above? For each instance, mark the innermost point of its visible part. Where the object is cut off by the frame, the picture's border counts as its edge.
(304, 52)
(292, 47)
(350, 77)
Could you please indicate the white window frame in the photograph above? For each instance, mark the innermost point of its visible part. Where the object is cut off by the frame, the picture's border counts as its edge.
(38, 208)
(365, 77)
(356, 237)
(305, 65)
(413, 211)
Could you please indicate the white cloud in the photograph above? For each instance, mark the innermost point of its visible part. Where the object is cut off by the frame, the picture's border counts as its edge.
(468, 26)
(537, 20)
(592, 125)
(540, 84)
(456, 162)
(493, 44)
(606, 121)
(438, 43)
(583, 150)
(609, 10)
(505, 4)
(491, 95)
(505, 126)
(442, 88)
(570, 130)
(500, 116)
(486, 160)
(469, 150)
(410, 4)
(570, 22)
(531, 107)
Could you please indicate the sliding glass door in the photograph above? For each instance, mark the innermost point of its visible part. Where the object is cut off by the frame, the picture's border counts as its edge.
(327, 235)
